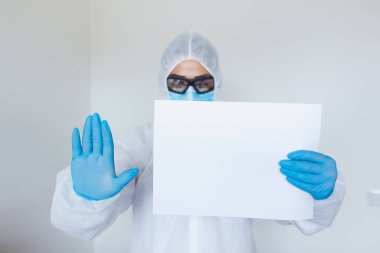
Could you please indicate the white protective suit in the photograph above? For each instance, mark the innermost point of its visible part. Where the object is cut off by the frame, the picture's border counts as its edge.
(160, 233)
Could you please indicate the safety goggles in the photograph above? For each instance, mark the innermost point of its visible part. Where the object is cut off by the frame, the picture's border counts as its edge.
(180, 84)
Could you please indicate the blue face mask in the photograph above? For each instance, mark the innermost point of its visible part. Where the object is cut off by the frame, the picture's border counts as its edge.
(191, 94)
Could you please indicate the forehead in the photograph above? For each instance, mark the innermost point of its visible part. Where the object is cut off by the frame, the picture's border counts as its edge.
(189, 69)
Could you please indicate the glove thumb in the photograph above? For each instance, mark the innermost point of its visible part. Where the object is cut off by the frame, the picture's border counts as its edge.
(124, 178)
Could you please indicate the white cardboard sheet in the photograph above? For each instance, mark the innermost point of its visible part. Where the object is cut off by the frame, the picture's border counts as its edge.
(221, 158)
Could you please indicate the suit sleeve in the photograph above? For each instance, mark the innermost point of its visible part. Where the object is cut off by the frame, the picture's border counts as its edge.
(324, 211)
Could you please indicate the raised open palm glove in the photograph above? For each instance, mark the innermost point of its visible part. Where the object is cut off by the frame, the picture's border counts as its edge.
(310, 171)
(92, 164)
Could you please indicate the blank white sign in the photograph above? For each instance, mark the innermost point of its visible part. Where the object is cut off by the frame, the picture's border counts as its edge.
(221, 158)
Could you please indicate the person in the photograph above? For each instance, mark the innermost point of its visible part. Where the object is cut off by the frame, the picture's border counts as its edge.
(106, 178)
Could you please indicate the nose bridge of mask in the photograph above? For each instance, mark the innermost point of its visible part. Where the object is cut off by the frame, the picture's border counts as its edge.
(191, 93)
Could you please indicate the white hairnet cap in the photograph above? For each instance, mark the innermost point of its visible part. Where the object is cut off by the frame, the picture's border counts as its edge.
(189, 45)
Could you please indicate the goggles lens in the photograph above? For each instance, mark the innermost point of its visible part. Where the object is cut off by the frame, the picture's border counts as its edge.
(205, 85)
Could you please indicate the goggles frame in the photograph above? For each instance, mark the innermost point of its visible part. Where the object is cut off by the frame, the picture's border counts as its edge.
(190, 82)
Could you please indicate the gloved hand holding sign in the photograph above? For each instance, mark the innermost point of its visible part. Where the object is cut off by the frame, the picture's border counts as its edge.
(311, 171)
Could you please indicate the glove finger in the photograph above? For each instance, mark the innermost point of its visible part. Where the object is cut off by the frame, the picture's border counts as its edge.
(97, 140)
(304, 177)
(87, 136)
(107, 140)
(307, 155)
(301, 166)
(76, 146)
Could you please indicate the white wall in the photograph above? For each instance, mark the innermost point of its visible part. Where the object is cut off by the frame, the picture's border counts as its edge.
(44, 93)
(274, 51)
(271, 51)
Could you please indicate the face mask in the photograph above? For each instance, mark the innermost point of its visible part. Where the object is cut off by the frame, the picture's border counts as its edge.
(191, 94)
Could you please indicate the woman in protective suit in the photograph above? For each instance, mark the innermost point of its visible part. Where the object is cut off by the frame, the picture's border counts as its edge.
(105, 178)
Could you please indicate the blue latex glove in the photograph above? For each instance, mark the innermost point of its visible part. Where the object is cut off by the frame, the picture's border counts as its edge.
(310, 171)
(92, 164)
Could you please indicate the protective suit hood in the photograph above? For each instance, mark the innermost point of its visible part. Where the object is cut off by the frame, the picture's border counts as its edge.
(189, 45)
